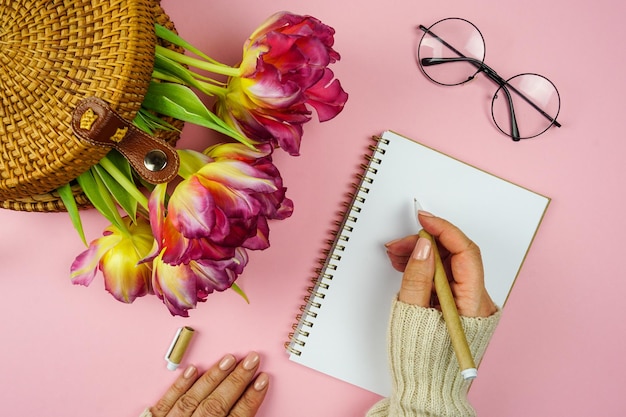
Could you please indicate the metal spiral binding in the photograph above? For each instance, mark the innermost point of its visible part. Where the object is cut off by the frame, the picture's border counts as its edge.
(332, 254)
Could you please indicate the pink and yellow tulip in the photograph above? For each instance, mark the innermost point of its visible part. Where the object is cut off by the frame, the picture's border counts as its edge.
(221, 206)
(284, 70)
(182, 286)
(219, 210)
(117, 254)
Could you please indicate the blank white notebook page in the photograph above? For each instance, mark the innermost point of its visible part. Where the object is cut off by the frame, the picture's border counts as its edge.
(345, 336)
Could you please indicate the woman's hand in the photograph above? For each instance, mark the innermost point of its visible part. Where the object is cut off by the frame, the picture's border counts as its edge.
(226, 389)
(413, 256)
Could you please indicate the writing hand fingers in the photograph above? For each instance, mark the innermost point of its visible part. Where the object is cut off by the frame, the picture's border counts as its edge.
(417, 280)
(463, 262)
(464, 255)
(399, 251)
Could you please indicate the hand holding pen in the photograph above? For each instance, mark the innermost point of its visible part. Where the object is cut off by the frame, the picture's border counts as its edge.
(415, 256)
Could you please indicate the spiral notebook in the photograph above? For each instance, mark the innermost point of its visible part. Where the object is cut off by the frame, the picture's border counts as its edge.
(343, 325)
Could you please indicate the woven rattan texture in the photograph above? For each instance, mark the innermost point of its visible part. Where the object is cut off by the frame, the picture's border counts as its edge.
(53, 54)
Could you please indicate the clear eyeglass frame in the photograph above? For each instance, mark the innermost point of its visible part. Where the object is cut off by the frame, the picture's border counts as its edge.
(452, 52)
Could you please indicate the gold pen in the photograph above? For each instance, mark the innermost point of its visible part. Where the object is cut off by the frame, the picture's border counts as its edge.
(449, 310)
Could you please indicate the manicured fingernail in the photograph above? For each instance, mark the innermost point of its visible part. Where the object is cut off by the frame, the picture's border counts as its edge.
(261, 382)
(422, 249)
(425, 213)
(392, 242)
(251, 361)
(227, 362)
(189, 372)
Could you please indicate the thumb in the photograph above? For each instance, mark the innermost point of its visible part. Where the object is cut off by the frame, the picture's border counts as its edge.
(417, 281)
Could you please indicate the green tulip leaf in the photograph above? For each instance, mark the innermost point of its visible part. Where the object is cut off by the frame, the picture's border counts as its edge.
(180, 102)
(118, 167)
(121, 163)
(118, 192)
(149, 122)
(67, 197)
(100, 197)
(239, 291)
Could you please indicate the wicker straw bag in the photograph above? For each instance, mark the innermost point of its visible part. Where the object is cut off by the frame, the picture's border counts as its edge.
(73, 74)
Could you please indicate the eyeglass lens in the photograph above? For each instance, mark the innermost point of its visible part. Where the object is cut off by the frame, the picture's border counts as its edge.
(535, 101)
(446, 41)
(452, 52)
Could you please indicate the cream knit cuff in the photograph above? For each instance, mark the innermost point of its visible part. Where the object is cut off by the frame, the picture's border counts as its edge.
(425, 372)
(146, 413)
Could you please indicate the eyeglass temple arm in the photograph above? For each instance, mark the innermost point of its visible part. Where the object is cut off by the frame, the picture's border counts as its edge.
(481, 67)
(452, 48)
(426, 62)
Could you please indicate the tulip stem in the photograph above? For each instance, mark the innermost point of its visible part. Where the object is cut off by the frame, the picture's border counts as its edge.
(128, 185)
(210, 87)
(159, 75)
(198, 63)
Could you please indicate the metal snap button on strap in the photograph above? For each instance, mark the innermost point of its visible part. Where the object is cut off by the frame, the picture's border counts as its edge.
(153, 159)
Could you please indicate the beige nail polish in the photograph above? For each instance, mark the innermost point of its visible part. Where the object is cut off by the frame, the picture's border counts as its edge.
(422, 249)
(251, 361)
(189, 372)
(227, 362)
(261, 382)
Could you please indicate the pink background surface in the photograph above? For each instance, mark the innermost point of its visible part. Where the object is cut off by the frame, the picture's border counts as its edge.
(75, 351)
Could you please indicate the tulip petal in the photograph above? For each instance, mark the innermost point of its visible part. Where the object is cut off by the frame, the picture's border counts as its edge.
(232, 203)
(85, 266)
(187, 250)
(327, 97)
(237, 151)
(175, 286)
(236, 175)
(118, 254)
(287, 136)
(156, 205)
(191, 209)
(213, 276)
(219, 275)
(260, 240)
(123, 278)
(273, 22)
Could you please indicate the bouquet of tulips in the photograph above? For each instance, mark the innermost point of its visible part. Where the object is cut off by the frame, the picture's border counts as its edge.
(184, 240)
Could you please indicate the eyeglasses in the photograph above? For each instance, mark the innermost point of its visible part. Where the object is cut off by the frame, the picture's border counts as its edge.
(531, 102)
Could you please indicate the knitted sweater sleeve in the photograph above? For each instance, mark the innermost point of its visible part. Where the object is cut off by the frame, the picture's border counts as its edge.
(425, 372)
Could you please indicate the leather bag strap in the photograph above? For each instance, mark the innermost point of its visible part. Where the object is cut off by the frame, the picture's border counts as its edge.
(96, 122)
